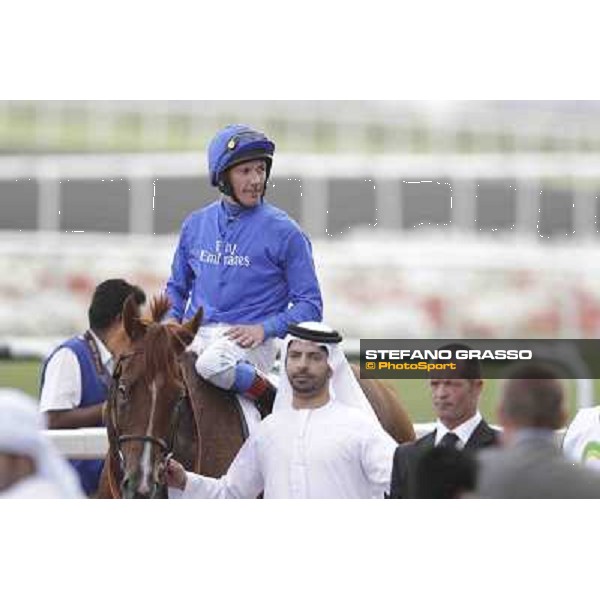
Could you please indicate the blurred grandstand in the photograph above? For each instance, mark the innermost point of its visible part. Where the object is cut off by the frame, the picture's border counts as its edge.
(304, 126)
(462, 219)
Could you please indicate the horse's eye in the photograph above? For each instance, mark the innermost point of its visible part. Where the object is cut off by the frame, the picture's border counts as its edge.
(122, 392)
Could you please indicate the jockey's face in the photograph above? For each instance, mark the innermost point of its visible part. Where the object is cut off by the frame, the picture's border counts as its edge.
(248, 181)
(307, 368)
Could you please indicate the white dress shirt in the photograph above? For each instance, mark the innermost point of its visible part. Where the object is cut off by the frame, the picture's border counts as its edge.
(464, 431)
(334, 451)
(62, 380)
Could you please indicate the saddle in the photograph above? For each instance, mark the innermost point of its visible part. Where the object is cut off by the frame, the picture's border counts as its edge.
(219, 418)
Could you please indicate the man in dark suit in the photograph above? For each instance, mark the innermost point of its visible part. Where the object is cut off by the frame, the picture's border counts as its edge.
(445, 472)
(459, 424)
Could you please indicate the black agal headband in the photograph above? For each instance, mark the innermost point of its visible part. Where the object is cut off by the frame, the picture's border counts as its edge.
(320, 336)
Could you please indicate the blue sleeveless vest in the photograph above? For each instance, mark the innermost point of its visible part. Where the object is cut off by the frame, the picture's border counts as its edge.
(94, 390)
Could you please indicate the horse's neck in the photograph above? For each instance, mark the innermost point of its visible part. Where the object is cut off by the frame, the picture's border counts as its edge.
(216, 419)
(186, 444)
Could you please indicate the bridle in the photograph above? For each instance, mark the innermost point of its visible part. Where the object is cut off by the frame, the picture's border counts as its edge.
(164, 445)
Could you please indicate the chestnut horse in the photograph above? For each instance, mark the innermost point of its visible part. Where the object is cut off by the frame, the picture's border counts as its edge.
(159, 407)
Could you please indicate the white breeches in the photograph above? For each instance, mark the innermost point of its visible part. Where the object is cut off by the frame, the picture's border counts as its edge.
(218, 355)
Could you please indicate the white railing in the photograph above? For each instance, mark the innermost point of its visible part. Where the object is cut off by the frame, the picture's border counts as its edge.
(84, 443)
(462, 171)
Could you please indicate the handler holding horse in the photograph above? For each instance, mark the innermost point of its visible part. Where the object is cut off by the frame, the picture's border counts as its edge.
(323, 439)
(249, 265)
(158, 407)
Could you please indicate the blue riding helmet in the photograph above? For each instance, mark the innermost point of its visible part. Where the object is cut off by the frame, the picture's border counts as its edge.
(233, 145)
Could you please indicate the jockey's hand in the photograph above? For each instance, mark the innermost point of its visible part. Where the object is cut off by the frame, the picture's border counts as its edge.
(247, 336)
(175, 475)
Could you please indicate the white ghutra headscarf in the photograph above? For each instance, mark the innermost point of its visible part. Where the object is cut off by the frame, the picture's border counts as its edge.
(21, 432)
(343, 386)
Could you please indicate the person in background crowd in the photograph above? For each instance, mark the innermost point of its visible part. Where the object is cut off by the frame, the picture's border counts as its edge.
(445, 472)
(459, 423)
(76, 376)
(30, 466)
(581, 443)
(530, 463)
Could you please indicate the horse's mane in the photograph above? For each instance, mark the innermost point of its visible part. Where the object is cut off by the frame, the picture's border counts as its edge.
(159, 306)
(159, 352)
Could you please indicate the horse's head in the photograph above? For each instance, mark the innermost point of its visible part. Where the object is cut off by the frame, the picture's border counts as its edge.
(146, 397)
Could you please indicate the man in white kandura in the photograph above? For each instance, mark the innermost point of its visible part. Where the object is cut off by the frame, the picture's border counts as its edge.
(30, 466)
(322, 440)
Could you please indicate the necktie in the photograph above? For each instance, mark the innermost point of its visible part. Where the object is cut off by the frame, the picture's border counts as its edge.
(449, 440)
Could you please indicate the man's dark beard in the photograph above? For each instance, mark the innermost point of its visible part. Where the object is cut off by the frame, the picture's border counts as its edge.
(310, 386)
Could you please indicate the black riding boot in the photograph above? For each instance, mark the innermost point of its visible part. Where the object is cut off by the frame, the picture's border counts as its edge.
(262, 393)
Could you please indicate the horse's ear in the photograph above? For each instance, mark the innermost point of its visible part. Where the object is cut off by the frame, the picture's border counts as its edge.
(189, 329)
(131, 319)
(184, 334)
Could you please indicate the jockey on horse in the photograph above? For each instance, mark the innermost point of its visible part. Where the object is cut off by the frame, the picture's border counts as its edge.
(249, 265)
